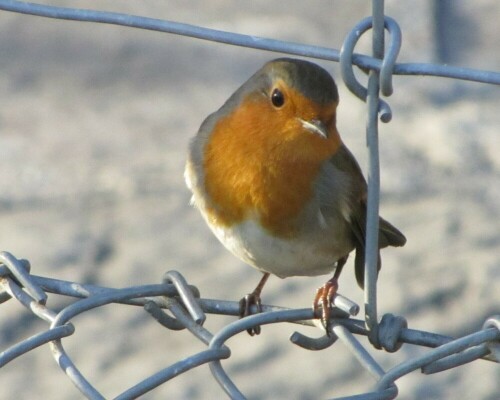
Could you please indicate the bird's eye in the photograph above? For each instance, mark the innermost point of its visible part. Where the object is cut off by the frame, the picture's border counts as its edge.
(277, 98)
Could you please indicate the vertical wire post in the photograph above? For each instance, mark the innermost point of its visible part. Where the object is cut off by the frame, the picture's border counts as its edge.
(372, 219)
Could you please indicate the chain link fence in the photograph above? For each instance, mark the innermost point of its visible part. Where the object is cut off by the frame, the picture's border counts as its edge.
(187, 309)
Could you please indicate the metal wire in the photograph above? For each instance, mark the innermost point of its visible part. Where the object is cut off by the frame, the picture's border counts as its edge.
(183, 300)
(448, 352)
(236, 39)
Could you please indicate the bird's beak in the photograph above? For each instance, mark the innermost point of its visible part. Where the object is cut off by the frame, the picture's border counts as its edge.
(316, 126)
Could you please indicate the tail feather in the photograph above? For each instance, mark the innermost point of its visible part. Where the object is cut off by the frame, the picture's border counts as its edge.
(359, 265)
(389, 235)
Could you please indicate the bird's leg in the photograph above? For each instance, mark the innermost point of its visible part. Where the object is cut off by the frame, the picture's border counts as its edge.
(253, 299)
(326, 293)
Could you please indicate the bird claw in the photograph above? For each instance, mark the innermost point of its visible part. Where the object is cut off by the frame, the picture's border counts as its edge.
(251, 299)
(324, 297)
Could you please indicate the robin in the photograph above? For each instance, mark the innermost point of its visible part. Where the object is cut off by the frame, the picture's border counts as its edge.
(276, 184)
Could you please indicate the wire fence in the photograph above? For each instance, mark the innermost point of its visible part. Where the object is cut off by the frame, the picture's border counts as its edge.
(188, 310)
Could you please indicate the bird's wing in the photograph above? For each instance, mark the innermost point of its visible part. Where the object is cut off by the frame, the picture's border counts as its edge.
(356, 192)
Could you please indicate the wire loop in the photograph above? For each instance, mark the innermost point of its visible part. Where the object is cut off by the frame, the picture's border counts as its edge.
(386, 65)
(186, 295)
(494, 345)
(389, 332)
(20, 271)
(309, 343)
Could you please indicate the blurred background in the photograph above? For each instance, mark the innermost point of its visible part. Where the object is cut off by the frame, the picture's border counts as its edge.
(95, 121)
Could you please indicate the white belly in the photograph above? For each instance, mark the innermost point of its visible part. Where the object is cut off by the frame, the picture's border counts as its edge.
(315, 255)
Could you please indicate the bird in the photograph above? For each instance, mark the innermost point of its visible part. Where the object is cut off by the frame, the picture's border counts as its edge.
(277, 186)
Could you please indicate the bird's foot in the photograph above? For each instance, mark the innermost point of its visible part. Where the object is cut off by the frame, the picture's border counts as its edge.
(324, 298)
(251, 299)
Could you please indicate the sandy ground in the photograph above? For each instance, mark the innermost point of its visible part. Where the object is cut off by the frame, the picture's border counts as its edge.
(95, 121)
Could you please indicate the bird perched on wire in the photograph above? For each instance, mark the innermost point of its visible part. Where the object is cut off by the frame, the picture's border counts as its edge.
(276, 184)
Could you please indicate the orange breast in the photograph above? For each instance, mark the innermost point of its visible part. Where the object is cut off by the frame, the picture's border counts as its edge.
(262, 163)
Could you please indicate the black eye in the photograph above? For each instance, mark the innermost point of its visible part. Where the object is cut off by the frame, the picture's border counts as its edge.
(277, 98)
